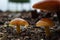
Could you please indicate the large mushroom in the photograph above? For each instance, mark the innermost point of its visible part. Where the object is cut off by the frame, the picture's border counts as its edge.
(19, 22)
(46, 22)
(50, 5)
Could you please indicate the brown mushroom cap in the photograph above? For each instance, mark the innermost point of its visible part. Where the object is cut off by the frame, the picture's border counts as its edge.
(45, 22)
(50, 5)
(19, 21)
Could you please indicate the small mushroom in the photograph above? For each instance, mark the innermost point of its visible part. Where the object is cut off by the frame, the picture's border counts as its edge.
(19, 22)
(46, 23)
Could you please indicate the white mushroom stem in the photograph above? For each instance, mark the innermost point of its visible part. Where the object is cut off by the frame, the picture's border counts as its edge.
(47, 31)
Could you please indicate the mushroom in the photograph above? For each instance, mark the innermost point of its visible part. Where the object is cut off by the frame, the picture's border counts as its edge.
(46, 22)
(50, 5)
(19, 22)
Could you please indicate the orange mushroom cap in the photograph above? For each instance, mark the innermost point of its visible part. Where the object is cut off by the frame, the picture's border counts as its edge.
(45, 22)
(19, 21)
(51, 5)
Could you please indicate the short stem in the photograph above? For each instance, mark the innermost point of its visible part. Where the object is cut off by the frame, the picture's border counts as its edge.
(18, 29)
(47, 31)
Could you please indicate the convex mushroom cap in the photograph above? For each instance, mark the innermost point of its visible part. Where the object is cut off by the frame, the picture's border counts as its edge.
(50, 5)
(45, 22)
(19, 21)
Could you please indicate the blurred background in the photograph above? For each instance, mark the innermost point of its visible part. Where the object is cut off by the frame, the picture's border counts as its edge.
(17, 6)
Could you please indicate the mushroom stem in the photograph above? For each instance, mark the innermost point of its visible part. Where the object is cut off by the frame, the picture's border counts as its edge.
(58, 14)
(47, 31)
(18, 29)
